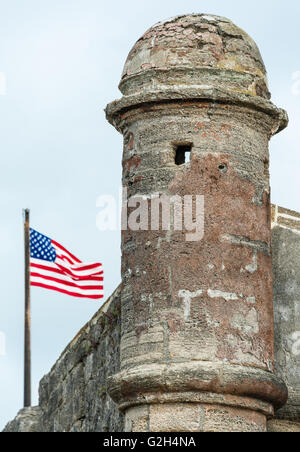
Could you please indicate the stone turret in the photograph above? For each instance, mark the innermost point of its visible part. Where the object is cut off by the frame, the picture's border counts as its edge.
(197, 315)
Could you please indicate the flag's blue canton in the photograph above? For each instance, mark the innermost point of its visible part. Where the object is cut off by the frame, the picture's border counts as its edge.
(41, 247)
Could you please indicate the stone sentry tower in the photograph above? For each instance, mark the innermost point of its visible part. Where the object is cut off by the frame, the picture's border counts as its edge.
(197, 316)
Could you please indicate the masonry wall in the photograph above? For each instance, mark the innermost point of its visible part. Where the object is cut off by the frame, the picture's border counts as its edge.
(73, 394)
(286, 283)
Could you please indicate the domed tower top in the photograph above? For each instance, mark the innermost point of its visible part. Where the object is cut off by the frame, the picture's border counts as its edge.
(199, 51)
(195, 56)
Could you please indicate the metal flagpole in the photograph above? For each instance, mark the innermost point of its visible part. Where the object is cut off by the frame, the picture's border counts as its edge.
(27, 317)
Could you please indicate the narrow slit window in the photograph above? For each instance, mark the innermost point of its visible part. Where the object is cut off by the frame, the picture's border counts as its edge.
(183, 154)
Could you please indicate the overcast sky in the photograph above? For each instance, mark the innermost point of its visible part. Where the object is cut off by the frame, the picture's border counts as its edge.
(62, 61)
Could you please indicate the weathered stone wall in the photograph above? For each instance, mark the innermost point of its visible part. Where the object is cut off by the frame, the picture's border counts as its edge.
(286, 276)
(73, 394)
(27, 420)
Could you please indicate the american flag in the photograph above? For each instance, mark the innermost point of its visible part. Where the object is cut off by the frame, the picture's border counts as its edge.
(55, 268)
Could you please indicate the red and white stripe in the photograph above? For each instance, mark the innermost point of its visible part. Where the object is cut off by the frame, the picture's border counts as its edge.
(67, 275)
